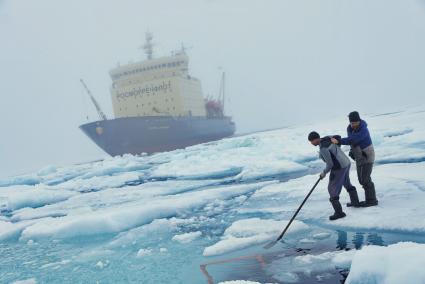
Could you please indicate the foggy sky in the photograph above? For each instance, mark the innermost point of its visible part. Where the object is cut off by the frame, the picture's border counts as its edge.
(286, 62)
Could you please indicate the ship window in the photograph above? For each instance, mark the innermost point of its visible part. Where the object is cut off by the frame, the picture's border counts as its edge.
(169, 64)
(163, 65)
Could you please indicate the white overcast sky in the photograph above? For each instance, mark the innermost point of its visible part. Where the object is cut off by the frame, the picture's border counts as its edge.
(286, 62)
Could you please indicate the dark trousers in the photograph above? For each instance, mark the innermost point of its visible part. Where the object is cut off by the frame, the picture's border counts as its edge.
(338, 179)
(364, 173)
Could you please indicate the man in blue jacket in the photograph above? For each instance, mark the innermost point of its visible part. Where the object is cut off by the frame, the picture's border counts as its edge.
(363, 153)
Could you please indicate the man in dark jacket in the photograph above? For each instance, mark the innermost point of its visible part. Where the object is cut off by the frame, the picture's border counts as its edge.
(338, 164)
(363, 153)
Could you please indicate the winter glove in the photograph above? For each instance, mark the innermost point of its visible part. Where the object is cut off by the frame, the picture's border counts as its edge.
(338, 139)
(322, 175)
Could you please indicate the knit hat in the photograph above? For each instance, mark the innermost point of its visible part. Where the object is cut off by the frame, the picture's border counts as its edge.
(354, 116)
(313, 136)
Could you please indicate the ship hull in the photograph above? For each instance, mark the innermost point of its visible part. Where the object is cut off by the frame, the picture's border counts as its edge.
(136, 135)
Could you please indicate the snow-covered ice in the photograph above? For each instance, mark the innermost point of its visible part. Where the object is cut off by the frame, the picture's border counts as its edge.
(26, 281)
(144, 252)
(187, 237)
(398, 263)
(239, 282)
(122, 216)
(249, 232)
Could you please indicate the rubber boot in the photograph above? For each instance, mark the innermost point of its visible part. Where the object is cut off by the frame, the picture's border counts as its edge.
(338, 209)
(370, 195)
(354, 198)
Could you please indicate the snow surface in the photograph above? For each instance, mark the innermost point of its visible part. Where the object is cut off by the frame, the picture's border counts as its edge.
(248, 232)
(213, 200)
(397, 263)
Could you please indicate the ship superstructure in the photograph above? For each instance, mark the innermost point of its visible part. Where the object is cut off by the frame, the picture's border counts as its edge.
(156, 87)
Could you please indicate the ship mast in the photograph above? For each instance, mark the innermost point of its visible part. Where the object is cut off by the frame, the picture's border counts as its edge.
(102, 116)
(148, 46)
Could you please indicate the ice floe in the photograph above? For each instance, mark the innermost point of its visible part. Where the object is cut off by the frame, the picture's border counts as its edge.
(187, 237)
(125, 216)
(248, 232)
(398, 263)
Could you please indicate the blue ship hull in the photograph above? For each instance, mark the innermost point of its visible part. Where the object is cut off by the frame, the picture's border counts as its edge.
(136, 135)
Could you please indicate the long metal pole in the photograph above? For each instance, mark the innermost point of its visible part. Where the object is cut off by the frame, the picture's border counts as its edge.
(269, 245)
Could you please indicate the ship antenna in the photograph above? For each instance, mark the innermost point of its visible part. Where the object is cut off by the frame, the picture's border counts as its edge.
(222, 87)
(148, 46)
(102, 116)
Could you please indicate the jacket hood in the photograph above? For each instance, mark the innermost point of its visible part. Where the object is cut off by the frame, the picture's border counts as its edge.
(363, 124)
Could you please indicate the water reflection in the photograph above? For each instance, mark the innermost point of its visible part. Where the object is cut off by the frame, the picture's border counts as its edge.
(341, 242)
(358, 240)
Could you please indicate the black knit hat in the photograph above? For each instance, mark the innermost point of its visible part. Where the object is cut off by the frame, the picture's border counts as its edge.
(313, 135)
(354, 116)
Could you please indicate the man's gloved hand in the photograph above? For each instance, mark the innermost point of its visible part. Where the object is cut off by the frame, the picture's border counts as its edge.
(322, 175)
(334, 141)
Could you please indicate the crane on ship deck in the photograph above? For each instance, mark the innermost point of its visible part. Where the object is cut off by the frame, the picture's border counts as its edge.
(101, 114)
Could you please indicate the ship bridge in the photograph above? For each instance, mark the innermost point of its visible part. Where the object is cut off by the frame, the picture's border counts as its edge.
(156, 87)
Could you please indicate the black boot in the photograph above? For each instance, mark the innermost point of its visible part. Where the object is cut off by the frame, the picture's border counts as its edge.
(338, 209)
(354, 198)
(370, 195)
